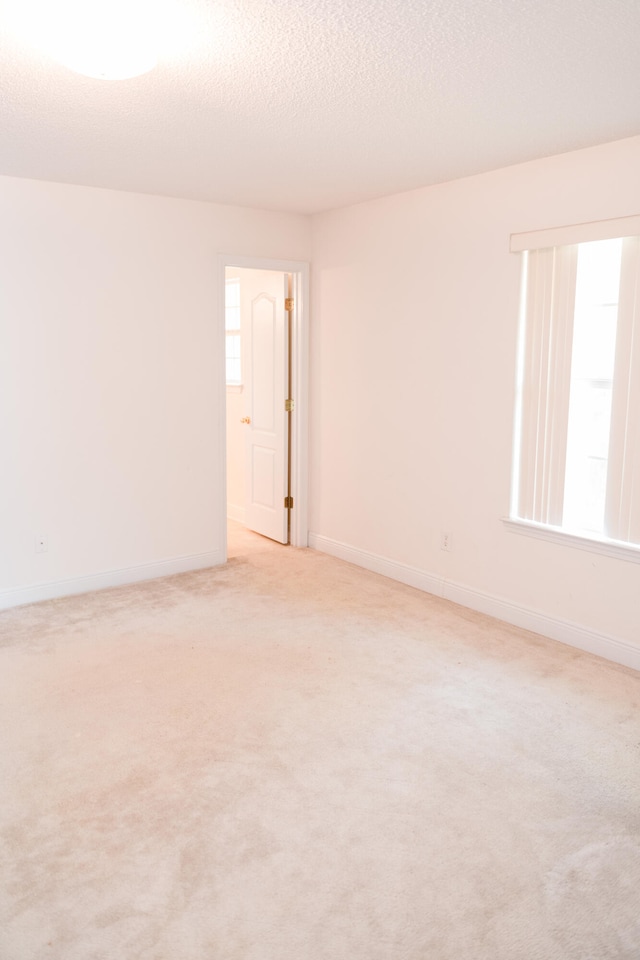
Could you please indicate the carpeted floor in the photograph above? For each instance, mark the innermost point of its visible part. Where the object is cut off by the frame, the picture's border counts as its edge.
(290, 758)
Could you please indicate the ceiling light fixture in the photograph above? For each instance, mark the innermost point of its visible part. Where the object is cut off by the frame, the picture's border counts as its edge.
(109, 40)
(105, 39)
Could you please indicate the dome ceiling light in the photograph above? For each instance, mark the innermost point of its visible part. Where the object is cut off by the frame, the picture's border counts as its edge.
(105, 39)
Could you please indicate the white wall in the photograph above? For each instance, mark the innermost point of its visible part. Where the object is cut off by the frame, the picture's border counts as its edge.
(415, 309)
(111, 367)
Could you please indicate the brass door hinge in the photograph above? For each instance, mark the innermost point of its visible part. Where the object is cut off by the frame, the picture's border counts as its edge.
(288, 303)
(288, 503)
(289, 406)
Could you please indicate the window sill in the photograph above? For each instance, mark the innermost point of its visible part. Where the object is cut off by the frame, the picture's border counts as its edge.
(235, 387)
(610, 548)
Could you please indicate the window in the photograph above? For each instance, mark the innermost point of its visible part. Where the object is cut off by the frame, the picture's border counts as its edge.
(232, 328)
(591, 385)
(577, 450)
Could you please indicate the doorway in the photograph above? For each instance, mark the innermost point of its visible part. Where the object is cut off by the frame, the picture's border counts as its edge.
(264, 307)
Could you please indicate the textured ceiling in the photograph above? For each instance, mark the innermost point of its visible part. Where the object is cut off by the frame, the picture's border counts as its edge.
(304, 105)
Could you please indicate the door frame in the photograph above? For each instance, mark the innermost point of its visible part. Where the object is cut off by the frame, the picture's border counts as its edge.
(299, 269)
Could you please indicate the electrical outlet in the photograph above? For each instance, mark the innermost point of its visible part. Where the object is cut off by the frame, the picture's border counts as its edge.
(42, 544)
(445, 541)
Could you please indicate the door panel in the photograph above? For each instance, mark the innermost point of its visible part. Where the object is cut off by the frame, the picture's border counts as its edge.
(263, 478)
(265, 358)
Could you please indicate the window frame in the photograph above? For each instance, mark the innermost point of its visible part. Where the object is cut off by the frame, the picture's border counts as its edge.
(544, 437)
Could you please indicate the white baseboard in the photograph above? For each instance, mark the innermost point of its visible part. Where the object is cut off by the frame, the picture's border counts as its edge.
(110, 578)
(235, 512)
(388, 568)
(611, 648)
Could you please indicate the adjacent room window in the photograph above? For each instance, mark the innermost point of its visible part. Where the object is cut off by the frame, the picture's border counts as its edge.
(232, 327)
(577, 450)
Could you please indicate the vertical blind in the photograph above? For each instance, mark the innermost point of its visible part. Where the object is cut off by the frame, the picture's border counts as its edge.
(549, 278)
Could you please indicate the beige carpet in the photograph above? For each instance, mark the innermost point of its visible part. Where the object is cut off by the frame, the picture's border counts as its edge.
(293, 759)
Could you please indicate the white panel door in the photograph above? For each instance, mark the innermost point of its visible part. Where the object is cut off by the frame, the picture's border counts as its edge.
(265, 351)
